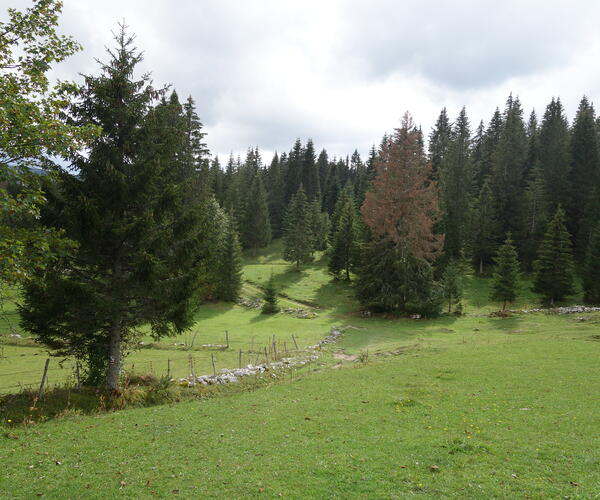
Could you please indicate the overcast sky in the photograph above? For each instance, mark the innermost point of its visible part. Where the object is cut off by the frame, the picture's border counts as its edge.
(264, 72)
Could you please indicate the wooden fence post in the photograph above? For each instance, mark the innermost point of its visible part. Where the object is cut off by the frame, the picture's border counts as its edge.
(41, 391)
(212, 356)
(169, 368)
(295, 343)
(240, 363)
(227, 338)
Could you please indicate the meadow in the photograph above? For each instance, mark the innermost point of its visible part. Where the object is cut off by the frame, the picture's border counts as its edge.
(457, 407)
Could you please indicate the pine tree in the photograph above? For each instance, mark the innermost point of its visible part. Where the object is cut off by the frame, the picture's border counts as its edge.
(323, 167)
(297, 236)
(506, 274)
(132, 210)
(293, 171)
(591, 269)
(230, 264)
(270, 305)
(333, 188)
(489, 144)
(344, 235)
(554, 265)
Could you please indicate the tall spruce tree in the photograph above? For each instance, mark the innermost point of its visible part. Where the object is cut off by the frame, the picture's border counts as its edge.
(276, 196)
(297, 236)
(591, 269)
(132, 210)
(439, 139)
(456, 181)
(344, 235)
(506, 273)
(310, 173)
(554, 156)
(585, 175)
(230, 264)
(323, 167)
(535, 216)
(507, 175)
(484, 229)
(256, 225)
(554, 268)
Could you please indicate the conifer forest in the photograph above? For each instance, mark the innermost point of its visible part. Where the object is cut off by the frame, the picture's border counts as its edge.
(419, 318)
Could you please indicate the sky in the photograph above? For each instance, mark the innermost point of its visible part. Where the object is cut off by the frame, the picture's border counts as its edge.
(343, 72)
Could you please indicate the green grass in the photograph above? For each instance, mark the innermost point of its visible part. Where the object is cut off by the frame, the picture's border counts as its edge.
(503, 407)
(506, 417)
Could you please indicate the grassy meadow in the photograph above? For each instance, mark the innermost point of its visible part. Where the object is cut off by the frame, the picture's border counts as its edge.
(458, 407)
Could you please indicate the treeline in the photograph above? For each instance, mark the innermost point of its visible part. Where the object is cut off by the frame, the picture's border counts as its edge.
(510, 177)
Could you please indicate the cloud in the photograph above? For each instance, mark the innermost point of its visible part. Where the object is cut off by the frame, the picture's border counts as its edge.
(344, 71)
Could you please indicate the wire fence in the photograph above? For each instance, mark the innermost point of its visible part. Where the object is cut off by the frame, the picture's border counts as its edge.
(206, 359)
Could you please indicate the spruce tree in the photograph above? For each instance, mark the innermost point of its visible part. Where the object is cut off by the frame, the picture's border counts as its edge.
(591, 269)
(310, 173)
(344, 235)
(585, 175)
(319, 223)
(323, 167)
(298, 235)
(456, 181)
(535, 216)
(554, 266)
(555, 157)
(270, 299)
(256, 224)
(132, 211)
(230, 264)
(507, 175)
(484, 229)
(506, 273)
(276, 196)
(439, 139)
(452, 284)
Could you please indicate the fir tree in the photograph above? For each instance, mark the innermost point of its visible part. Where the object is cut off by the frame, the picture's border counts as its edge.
(270, 305)
(333, 188)
(276, 196)
(506, 273)
(230, 264)
(323, 167)
(298, 235)
(133, 213)
(554, 265)
(591, 269)
(535, 215)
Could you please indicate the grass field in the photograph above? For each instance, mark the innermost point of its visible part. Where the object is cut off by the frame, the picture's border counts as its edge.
(458, 407)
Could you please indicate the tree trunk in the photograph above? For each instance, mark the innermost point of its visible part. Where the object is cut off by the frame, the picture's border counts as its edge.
(114, 357)
(504, 306)
(480, 266)
(347, 273)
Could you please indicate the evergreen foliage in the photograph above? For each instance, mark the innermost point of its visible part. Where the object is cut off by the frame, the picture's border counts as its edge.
(344, 235)
(506, 273)
(452, 284)
(230, 264)
(135, 215)
(256, 224)
(591, 270)
(484, 229)
(554, 267)
(298, 233)
(270, 305)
